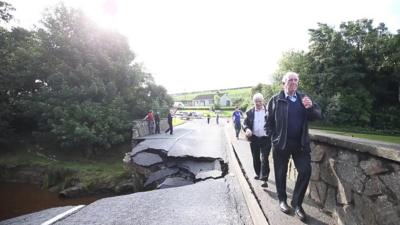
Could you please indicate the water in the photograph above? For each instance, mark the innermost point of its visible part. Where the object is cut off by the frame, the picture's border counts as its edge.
(19, 199)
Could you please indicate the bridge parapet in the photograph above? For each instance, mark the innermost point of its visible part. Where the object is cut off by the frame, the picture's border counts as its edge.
(355, 180)
(140, 129)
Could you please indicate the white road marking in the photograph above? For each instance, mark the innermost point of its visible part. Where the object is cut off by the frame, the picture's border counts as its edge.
(62, 215)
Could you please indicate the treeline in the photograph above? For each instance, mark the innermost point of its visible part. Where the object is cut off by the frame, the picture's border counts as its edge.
(352, 72)
(70, 82)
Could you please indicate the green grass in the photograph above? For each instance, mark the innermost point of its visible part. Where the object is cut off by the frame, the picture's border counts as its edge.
(177, 122)
(234, 93)
(80, 163)
(376, 137)
(222, 113)
(106, 168)
(190, 96)
(239, 93)
(226, 113)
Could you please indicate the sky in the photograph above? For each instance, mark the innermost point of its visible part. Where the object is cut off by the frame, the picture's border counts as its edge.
(192, 45)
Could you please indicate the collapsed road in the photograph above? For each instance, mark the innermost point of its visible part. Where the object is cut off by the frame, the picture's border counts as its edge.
(195, 152)
(191, 175)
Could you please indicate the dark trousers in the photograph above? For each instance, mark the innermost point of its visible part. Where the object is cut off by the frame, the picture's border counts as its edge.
(170, 128)
(150, 125)
(302, 162)
(260, 149)
(157, 127)
(237, 129)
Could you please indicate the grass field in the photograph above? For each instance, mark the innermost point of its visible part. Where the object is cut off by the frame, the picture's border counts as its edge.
(177, 121)
(222, 113)
(233, 93)
(376, 137)
(104, 168)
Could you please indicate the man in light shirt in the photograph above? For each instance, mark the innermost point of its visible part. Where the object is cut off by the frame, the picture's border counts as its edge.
(260, 144)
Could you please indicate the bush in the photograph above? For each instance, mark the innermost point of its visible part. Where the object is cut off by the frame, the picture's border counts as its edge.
(351, 107)
(387, 118)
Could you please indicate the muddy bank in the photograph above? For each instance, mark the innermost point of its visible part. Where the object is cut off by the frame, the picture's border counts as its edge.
(70, 183)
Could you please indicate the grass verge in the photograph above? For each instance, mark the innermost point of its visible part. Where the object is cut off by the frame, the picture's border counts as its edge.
(63, 169)
(370, 135)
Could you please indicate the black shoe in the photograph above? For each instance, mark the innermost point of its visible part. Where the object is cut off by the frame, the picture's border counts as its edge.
(256, 177)
(284, 207)
(265, 184)
(264, 179)
(299, 212)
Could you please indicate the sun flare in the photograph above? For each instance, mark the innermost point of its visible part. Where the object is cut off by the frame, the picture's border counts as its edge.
(103, 13)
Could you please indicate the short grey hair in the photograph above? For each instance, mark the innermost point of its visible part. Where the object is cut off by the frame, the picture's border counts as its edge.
(258, 96)
(285, 77)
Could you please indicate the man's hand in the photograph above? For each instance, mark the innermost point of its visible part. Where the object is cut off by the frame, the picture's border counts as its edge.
(306, 102)
(248, 133)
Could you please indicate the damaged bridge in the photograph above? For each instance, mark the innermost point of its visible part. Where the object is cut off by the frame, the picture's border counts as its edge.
(190, 178)
(188, 156)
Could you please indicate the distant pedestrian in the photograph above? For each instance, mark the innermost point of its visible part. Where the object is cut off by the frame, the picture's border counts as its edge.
(260, 144)
(170, 127)
(150, 121)
(157, 122)
(217, 119)
(208, 118)
(236, 115)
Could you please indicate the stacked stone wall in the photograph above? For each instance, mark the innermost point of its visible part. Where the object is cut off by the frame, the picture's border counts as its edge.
(355, 182)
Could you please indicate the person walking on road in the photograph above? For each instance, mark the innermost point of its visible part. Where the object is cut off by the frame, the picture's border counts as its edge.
(208, 118)
(170, 127)
(217, 118)
(150, 121)
(157, 122)
(236, 115)
(287, 124)
(260, 144)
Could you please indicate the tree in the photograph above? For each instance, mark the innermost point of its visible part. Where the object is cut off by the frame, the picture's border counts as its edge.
(5, 40)
(76, 84)
(18, 49)
(217, 100)
(266, 90)
(93, 89)
(350, 60)
(296, 61)
(5, 9)
(352, 72)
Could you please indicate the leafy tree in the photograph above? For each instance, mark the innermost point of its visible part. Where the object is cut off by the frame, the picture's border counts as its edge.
(93, 90)
(5, 9)
(266, 90)
(217, 99)
(353, 72)
(75, 83)
(296, 61)
(18, 49)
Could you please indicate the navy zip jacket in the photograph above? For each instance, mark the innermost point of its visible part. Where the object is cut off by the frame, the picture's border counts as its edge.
(277, 121)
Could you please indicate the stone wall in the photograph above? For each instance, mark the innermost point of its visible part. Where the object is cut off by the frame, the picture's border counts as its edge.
(140, 129)
(356, 181)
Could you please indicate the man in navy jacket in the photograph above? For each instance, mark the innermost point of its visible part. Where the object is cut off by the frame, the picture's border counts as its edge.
(287, 124)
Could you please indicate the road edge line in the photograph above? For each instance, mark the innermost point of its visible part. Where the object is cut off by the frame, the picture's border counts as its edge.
(62, 215)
